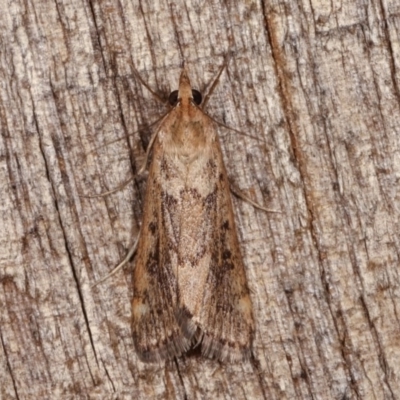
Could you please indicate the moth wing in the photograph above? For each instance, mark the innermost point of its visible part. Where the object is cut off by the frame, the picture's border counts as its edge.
(224, 323)
(156, 333)
(227, 318)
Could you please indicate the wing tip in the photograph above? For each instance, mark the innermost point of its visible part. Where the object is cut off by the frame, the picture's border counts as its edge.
(190, 335)
(224, 350)
(215, 346)
(173, 346)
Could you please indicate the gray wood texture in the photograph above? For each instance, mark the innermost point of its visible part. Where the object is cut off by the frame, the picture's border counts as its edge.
(317, 86)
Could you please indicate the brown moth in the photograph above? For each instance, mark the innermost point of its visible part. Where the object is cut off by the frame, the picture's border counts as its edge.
(189, 281)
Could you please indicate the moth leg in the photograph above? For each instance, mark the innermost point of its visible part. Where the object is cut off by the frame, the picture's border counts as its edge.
(96, 149)
(148, 150)
(237, 192)
(122, 263)
(103, 194)
(140, 172)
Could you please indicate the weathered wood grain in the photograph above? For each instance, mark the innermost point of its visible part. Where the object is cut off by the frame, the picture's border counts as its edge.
(316, 83)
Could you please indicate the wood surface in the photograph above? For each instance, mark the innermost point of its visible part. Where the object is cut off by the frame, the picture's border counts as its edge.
(314, 85)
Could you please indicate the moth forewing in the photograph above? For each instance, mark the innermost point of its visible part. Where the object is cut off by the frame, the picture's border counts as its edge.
(189, 281)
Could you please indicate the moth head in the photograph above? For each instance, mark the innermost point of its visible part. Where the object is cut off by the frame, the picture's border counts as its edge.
(185, 93)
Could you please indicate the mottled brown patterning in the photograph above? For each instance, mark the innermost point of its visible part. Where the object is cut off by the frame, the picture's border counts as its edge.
(189, 281)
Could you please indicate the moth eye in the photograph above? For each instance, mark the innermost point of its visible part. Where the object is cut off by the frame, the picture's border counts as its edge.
(173, 98)
(197, 97)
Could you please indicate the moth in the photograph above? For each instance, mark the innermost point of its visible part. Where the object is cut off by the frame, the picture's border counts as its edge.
(189, 281)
